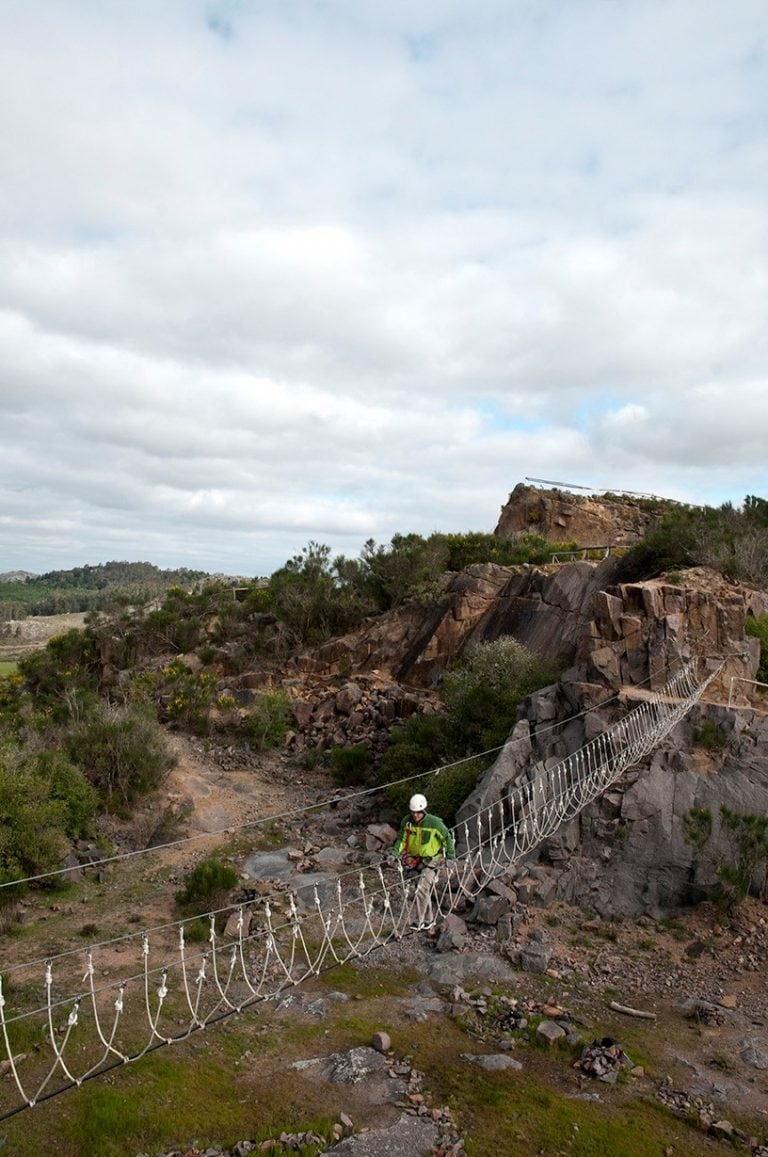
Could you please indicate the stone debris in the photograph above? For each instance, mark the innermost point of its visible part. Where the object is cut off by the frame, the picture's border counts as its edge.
(493, 1062)
(603, 1060)
(690, 1106)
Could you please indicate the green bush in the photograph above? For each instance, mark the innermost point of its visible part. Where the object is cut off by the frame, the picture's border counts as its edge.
(483, 693)
(208, 884)
(744, 867)
(748, 869)
(420, 745)
(268, 720)
(734, 542)
(68, 786)
(445, 791)
(68, 663)
(121, 751)
(710, 736)
(697, 828)
(350, 765)
(181, 696)
(757, 627)
(32, 835)
(481, 698)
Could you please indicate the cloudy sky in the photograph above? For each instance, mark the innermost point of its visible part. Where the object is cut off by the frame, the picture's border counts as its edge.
(281, 270)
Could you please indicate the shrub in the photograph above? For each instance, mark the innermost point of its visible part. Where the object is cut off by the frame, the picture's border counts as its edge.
(269, 719)
(744, 867)
(69, 662)
(121, 751)
(183, 697)
(481, 700)
(749, 846)
(697, 828)
(350, 765)
(710, 736)
(208, 884)
(482, 695)
(445, 791)
(421, 744)
(734, 542)
(757, 627)
(68, 786)
(32, 838)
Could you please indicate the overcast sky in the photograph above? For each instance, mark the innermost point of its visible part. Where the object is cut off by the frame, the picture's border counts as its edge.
(281, 270)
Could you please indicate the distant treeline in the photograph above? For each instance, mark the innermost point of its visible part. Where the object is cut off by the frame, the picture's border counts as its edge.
(90, 588)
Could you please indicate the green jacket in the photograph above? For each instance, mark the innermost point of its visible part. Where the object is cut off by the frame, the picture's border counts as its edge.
(424, 841)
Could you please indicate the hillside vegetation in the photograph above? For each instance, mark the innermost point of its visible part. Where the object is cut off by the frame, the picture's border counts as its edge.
(733, 542)
(89, 588)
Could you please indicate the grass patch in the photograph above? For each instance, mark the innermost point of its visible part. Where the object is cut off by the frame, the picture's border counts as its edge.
(228, 1084)
(8, 668)
(518, 1114)
(369, 982)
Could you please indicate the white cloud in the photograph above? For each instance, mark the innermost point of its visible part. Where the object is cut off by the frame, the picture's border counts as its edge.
(272, 272)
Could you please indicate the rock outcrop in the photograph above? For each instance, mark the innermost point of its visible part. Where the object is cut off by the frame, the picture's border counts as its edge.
(587, 520)
(628, 852)
(573, 614)
(547, 608)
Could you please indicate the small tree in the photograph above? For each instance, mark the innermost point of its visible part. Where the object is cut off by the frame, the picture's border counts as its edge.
(268, 720)
(32, 838)
(749, 846)
(746, 869)
(121, 751)
(482, 695)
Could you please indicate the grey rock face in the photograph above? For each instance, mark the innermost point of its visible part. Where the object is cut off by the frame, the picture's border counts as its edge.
(409, 1135)
(628, 852)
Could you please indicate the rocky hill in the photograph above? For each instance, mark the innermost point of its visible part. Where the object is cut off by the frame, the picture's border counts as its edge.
(588, 520)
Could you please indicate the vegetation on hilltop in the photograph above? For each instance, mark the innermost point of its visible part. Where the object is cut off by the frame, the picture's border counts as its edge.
(89, 588)
(734, 542)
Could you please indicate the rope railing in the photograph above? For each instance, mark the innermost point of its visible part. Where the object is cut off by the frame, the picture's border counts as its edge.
(69, 1039)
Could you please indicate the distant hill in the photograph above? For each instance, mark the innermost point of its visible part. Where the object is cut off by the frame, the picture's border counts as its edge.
(88, 588)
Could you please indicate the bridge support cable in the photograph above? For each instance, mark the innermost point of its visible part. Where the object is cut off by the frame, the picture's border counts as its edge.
(103, 1023)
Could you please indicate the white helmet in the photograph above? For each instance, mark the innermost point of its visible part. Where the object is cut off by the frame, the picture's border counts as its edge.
(418, 803)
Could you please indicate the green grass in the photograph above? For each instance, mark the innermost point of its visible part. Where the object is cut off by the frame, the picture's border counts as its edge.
(521, 1113)
(212, 1089)
(234, 1082)
(369, 982)
(8, 668)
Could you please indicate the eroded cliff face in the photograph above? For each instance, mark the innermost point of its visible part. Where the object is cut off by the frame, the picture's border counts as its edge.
(562, 516)
(616, 635)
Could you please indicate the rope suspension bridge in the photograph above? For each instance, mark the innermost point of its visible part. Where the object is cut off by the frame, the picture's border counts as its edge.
(88, 1024)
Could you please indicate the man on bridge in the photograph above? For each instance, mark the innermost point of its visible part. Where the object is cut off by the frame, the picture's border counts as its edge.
(423, 845)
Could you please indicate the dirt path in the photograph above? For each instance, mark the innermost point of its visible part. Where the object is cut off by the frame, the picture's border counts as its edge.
(219, 800)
